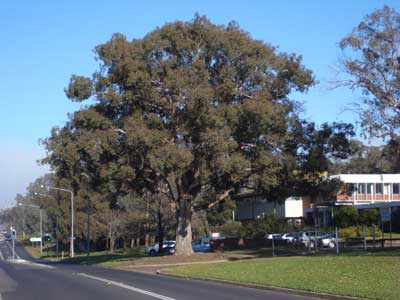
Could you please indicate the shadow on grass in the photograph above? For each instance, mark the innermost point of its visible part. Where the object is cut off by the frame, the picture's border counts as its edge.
(109, 259)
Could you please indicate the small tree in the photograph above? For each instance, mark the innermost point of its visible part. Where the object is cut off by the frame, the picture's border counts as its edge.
(368, 217)
(345, 216)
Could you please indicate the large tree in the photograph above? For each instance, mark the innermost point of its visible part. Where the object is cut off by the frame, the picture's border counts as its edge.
(192, 110)
(372, 59)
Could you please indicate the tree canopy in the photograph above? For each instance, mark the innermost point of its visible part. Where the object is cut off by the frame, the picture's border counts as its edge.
(372, 59)
(193, 113)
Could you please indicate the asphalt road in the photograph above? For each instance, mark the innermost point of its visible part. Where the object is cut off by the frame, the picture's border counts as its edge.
(29, 280)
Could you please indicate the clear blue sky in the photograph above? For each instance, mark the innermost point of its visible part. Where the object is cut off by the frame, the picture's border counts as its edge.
(44, 42)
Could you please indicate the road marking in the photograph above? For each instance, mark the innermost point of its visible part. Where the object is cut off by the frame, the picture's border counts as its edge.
(16, 254)
(29, 263)
(2, 258)
(124, 286)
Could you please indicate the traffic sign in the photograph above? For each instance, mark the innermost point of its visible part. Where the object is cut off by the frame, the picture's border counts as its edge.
(35, 239)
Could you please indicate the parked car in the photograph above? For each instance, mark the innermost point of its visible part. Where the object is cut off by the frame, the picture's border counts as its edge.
(201, 245)
(328, 240)
(275, 236)
(168, 246)
(308, 239)
(288, 237)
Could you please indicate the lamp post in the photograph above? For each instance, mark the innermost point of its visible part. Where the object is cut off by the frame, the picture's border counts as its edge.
(41, 222)
(72, 214)
(88, 215)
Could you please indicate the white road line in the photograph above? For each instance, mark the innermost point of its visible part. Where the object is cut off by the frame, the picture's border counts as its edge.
(2, 258)
(128, 287)
(16, 254)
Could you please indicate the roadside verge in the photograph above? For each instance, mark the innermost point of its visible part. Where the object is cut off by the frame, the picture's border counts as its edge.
(265, 287)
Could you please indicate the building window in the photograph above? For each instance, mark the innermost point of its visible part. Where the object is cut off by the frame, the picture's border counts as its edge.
(361, 188)
(369, 188)
(386, 189)
(378, 188)
(396, 188)
(350, 189)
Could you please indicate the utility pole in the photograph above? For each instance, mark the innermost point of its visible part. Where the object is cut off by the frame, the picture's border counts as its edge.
(88, 215)
(72, 214)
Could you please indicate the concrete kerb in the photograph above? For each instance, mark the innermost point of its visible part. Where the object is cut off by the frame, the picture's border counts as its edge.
(266, 287)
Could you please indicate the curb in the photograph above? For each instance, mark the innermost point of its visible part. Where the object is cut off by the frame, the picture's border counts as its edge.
(266, 287)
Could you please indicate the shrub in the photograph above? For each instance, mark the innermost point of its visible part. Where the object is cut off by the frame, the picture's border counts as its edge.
(358, 231)
(230, 229)
(346, 216)
(348, 232)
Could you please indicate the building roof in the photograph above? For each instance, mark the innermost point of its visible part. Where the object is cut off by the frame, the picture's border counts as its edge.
(368, 178)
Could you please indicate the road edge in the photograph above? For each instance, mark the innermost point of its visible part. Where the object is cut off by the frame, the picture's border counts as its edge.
(265, 287)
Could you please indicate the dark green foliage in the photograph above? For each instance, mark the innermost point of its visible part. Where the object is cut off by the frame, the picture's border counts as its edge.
(345, 216)
(193, 111)
(260, 227)
(369, 216)
(231, 229)
(79, 88)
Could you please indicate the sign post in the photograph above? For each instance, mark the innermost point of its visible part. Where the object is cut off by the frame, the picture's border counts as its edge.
(386, 216)
(13, 236)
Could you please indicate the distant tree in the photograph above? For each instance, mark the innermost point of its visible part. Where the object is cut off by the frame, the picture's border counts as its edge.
(372, 59)
(366, 160)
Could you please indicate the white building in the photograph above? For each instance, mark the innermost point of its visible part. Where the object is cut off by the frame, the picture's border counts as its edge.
(372, 190)
(359, 190)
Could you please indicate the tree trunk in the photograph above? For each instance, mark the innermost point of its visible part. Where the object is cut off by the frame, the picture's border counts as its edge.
(160, 232)
(184, 229)
(147, 240)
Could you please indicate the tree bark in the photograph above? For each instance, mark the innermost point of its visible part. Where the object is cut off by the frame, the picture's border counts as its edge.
(184, 229)
(160, 232)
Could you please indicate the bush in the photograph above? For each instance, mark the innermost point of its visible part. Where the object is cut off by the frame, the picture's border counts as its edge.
(230, 229)
(358, 231)
(269, 224)
(345, 216)
(369, 216)
(348, 232)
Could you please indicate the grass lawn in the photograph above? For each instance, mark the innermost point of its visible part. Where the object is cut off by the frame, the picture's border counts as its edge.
(369, 275)
(104, 258)
(122, 258)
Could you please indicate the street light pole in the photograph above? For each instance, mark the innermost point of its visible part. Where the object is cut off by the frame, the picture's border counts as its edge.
(72, 215)
(88, 215)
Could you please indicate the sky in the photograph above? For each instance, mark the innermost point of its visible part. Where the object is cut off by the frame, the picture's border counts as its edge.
(44, 42)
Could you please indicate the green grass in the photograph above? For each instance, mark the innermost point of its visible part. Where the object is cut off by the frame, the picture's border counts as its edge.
(103, 258)
(370, 275)
(107, 259)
